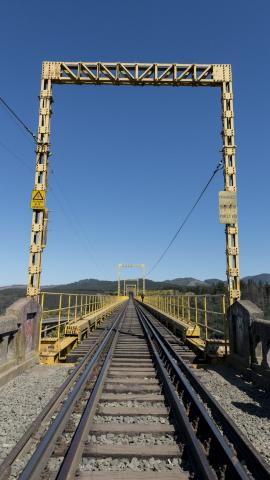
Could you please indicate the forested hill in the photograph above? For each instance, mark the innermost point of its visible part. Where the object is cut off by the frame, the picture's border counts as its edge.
(255, 288)
(261, 278)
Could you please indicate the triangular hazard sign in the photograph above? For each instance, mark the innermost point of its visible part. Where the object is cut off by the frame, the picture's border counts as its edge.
(38, 196)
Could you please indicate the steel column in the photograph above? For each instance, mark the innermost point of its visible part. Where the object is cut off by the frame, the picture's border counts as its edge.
(231, 231)
(40, 216)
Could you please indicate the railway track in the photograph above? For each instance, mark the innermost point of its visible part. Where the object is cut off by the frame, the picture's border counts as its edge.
(133, 410)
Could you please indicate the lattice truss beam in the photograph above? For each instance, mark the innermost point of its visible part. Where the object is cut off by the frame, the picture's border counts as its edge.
(136, 73)
(140, 74)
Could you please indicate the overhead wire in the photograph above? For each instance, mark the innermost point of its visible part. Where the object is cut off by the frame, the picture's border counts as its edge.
(71, 221)
(78, 228)
(160, 258)
(14, 114)
(16, 156)
(75, 221)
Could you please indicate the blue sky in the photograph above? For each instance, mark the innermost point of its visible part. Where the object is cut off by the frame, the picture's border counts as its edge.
(129, 162)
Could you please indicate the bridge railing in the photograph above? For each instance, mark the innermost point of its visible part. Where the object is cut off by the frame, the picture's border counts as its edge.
(207, 313)
(62, 309)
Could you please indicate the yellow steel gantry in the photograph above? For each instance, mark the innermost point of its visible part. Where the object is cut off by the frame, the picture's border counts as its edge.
(130, 265)
(140, 74)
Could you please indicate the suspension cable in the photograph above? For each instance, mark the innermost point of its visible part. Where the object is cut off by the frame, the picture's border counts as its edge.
(70, 216)
(217, 169)
(73, 218)
(14, 114)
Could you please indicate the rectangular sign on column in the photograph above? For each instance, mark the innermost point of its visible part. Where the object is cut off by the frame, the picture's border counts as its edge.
(227, 207)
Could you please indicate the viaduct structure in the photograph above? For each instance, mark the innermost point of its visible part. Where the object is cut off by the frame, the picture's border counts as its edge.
(132, 407)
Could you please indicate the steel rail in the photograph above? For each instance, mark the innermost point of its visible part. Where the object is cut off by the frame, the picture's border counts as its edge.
(47, 411)
(196, 451)
(216, 451)
(73, 455)
(245, 450)
(38, 460)
(210, 454)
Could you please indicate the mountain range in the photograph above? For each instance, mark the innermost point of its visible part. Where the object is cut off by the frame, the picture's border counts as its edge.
(194, 282)
(110, 285)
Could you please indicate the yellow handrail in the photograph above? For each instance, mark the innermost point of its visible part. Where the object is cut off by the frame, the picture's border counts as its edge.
(61, 309)
(208, 312)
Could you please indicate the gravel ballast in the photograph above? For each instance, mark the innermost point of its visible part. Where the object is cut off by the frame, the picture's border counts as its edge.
(125, 439)
(145, 419)
(134, 464)
(131, 404)
(23, 398)
(247, 404)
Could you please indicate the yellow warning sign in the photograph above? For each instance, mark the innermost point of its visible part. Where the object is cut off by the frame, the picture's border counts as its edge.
(38, 199)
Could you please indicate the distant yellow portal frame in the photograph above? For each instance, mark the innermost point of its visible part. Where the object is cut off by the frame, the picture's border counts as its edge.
(122, 266)
(133, 74)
